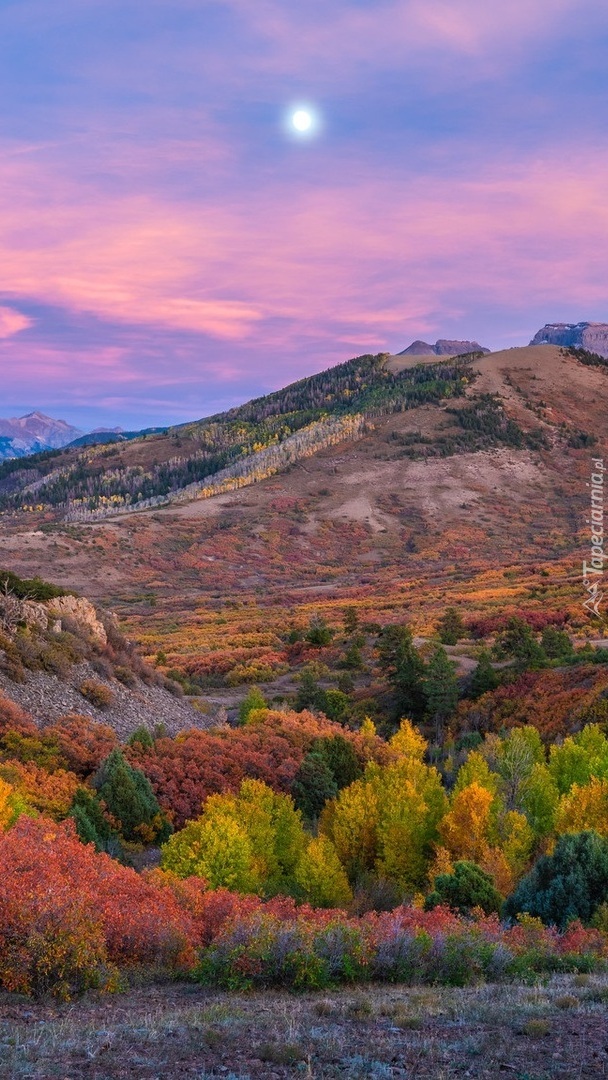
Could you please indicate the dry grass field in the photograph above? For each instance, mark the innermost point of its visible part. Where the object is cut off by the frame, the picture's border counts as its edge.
(555, 1029)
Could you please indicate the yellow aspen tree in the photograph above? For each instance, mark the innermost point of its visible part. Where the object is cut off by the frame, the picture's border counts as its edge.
(584, 807)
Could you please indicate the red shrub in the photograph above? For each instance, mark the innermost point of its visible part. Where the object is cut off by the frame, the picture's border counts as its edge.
(185, 770)
(13, 718)
(553, 701)
(83, 743)
(65, 912)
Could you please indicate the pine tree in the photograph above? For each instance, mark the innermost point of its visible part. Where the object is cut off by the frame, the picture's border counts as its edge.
(569, 884)
(313, 786)
(319, 633)
(465, 888)
(351, 620)
(450, 627)
(519, 641)
(129, 797)
(340, 758)
(400, 661)
(556, 643)
(484, 677)
(92, 824)
(441, 688)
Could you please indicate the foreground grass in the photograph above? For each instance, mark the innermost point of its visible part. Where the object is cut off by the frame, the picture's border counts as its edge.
(557, 1029)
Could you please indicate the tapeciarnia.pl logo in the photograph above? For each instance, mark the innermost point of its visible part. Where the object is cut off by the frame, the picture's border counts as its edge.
(593, 571)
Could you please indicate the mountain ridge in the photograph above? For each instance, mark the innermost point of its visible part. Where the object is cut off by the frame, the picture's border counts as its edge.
(477, 499)
(442, 347)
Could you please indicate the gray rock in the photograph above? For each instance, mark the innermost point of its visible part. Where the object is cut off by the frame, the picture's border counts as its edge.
(592, 336)
(442, 347)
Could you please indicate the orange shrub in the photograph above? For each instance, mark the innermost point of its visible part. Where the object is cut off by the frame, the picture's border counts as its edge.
(66, 913)
(49, 793)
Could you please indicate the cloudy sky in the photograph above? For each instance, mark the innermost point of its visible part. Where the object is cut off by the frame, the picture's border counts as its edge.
(169, 246)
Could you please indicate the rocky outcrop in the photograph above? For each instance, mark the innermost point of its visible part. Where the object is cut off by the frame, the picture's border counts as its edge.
(442, 347)
(54, 612)
(80, 611)
(592, 336)
(47, 698)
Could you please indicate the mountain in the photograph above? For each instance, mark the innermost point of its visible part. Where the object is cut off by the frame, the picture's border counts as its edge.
(591, 336)
(33, 433)
(271, 434)
(443, 347)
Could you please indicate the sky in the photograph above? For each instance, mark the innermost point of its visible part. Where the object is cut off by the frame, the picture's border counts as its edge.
(170, 245)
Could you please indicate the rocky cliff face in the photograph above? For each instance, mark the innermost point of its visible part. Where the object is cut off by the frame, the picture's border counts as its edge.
(442, 347)
(583, 335)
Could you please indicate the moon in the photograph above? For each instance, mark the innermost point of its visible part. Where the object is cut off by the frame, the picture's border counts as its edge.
(301, 120)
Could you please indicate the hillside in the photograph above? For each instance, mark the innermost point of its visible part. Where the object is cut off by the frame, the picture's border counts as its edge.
(478, 500)
(253, 440)
(392, 623)
(60, 656)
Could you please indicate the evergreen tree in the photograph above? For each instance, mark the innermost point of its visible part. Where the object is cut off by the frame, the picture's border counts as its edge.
(556, 643)
(91, 823)
(340, 757)
(484, 677)
(335, 705)
(569, 884)
(467, 887)
(450, 627)
(319, 633)
(351, 620)
(129, 797)
(313, 786)
(400, 661)
(519, 641)
(352, 658)
(310, 695)
(441, 688)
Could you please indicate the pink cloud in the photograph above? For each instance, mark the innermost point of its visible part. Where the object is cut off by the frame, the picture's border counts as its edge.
(370, 262)
(12, 322)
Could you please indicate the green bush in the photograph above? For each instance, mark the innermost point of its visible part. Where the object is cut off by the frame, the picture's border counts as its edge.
(30, 588)
(570, 884)
(467, 887)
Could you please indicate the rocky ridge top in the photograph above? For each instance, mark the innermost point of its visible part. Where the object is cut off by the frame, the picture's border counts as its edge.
(442, 347)
(592, 336)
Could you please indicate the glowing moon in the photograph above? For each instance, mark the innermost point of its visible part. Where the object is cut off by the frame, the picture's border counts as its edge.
(301, 120)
